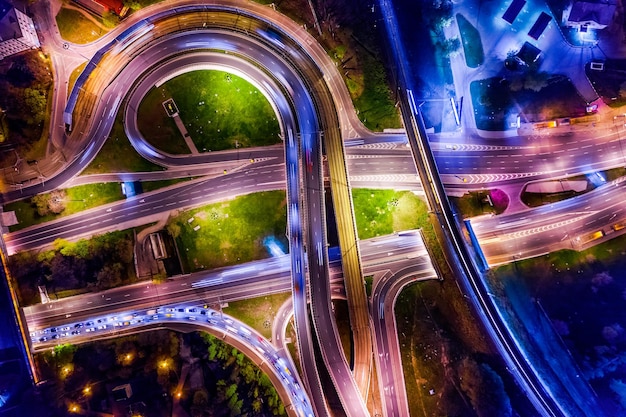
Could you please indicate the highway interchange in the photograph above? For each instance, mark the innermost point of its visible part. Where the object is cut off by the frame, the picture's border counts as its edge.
(372, 161)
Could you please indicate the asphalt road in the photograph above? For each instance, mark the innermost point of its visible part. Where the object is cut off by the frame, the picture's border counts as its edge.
(381, 257)
(505, 239)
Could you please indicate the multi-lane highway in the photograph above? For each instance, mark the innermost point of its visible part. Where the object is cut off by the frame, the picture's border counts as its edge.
(106, 314)
(307, 113)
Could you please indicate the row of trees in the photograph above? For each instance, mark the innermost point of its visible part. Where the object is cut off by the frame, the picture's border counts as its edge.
(24, 92)
(102, 262)
(233, 383)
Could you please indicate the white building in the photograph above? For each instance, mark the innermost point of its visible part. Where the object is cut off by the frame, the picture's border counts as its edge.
(17, 31)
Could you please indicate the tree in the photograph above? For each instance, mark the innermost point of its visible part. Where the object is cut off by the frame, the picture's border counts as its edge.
(484, 389)
(199, 403)
(64, 271)
(110, 276)
(132, 4)
(53, 202)
(36, 102)
(110, 19)
(56, 201)
(619, 388)
(450, 47)
(40, 201)
(174, 229)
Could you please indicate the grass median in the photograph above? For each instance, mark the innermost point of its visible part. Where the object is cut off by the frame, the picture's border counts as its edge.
(230, 232)
(382, 212)
(258, 312)
(75, 27)
(219, 110)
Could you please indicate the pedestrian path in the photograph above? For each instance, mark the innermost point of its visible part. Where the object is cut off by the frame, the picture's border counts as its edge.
(183, 131)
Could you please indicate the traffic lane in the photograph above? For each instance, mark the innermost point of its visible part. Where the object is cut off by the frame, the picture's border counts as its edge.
(258, 177)
(388, 361)
(259, 77)
(559, 226)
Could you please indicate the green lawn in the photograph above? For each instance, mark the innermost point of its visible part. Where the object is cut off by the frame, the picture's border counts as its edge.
(230, 232)
(476, 203)
(382, 212)
(472, 45)
(219, 110)
(258, 312)
(77, 199)
(118, 155)
(75, 27)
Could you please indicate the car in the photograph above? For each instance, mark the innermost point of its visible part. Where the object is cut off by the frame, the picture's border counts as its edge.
(53, 329)
(155, 317)
(191, 317)
(55, 336)
(78, 325)
(192, 310)
(181, 310)
(74, 332)
(102, 327)
(90, 329)
(100, 320)
(170, 310)
(66, 328)
(43, 339)
(89, 323)
(203, 312)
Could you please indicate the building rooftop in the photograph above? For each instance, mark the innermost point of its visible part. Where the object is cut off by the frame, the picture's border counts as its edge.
(587, 11)
(9, 25)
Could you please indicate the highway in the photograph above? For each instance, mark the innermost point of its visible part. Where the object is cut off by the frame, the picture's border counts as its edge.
(387, 348)
(187, 317)
(109, 97)
(457, 253)
(378, 161)
(382, 257)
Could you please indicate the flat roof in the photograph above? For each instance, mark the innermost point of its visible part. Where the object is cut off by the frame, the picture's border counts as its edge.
(514, 8)
(540, 25)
